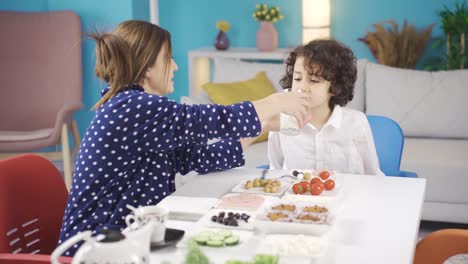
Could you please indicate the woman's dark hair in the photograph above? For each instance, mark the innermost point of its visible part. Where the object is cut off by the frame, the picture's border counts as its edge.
(330, 60)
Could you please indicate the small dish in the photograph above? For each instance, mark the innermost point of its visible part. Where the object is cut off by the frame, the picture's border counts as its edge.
(240, 188)
(241, 224)
(170, 238)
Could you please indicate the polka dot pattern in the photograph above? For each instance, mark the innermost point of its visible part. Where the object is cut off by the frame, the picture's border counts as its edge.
(136, 144)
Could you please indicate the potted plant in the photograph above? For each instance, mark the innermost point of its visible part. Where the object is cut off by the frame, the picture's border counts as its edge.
(455, 26)
(222, 40)
(267, 36)
(396, 48)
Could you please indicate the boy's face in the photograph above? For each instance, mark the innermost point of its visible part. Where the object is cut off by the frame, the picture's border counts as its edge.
(317, 86)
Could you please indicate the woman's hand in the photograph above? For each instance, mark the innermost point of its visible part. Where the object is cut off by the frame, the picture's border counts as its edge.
(293, 103)
(272, 124)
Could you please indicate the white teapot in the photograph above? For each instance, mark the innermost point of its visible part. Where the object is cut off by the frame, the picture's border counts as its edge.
(110, 246)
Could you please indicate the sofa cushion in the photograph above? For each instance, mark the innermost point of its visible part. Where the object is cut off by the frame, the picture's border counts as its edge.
(359, 101)
(443, 162)
(230, 70)
(425, 104)
(236, 92)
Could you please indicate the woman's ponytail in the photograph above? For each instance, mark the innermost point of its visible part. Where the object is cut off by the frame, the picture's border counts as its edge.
(114, 64)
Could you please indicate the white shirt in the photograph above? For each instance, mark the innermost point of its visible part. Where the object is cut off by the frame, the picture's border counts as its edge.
(344, 144)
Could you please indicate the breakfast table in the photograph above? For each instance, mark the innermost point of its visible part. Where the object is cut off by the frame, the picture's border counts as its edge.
(378, 219)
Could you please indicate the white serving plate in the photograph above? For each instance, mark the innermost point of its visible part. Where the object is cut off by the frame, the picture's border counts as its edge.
(325, 195)
(206, 220)
(240, 188)
(294, 248)
(243, 246)
(266, 226)
(186, 208)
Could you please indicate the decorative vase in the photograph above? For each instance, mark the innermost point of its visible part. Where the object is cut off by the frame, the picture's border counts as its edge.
(267, 37)
(221, 41)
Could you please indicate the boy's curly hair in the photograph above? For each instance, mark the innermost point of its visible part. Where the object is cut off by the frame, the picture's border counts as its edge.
(330, 60)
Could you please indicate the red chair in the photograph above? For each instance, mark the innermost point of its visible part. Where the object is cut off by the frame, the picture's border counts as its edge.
(7, 258)
(33, 197)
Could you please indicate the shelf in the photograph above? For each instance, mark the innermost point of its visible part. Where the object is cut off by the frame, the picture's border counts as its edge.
(240, 53)
(199, 61)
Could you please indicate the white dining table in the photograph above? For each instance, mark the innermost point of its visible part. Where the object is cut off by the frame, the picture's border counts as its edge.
(378, 221)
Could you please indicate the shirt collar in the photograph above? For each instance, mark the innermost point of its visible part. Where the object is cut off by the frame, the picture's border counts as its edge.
(335, 118)
(131, 87)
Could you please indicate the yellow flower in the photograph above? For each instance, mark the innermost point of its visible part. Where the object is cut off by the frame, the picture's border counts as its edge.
(223, 25)
(265, 13)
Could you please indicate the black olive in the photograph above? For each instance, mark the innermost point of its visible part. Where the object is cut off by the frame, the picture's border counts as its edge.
(221, 214)
(295, 173)
(214, 218)
(230, 214)
(237, 216)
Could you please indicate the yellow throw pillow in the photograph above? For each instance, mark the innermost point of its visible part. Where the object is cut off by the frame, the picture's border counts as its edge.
(236, 92)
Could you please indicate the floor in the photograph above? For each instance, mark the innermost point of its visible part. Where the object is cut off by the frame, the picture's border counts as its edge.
(427, 227)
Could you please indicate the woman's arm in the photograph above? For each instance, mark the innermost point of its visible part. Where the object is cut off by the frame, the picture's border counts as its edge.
(156, 123)
(222, 155)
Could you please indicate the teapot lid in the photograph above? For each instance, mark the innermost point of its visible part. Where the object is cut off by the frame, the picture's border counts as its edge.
(108, 236)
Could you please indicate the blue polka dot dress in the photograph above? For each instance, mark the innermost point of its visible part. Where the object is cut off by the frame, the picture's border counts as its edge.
(135, 145)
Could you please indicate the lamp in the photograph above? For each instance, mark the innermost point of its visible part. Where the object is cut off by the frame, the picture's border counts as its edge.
(315, 20)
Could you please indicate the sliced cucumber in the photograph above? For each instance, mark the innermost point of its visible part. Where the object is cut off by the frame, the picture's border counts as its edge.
(215, 243)
(232, 240)
(216, 237)
(225, 233)
(206, 233)
(201, 239)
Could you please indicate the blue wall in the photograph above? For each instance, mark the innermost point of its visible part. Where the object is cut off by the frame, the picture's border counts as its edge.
(192, 24)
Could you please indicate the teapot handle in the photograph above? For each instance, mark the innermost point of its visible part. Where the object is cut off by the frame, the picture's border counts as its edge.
(86, 235)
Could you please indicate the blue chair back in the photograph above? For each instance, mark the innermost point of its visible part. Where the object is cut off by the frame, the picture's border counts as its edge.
(389, 142)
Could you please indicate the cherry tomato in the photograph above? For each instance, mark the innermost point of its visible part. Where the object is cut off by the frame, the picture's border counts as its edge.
(305, 186)
(316, 189)
(329, 185)
(324, 175)
(297, 188)
(321, 185)
(315, 180)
